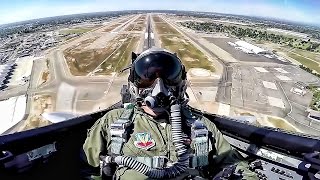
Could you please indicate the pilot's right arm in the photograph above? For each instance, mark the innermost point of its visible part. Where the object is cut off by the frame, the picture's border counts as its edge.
(97, 138)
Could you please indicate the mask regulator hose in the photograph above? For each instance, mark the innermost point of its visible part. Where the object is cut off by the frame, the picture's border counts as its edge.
(177, 167)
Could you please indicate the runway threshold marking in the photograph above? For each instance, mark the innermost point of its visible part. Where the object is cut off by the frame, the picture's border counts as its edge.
(261, 69)
(283, 78)
(269, 85)
(276, 102)
(281, 70)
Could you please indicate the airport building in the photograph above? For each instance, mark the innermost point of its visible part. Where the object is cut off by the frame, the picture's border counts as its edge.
(6, 72)
(250, 48)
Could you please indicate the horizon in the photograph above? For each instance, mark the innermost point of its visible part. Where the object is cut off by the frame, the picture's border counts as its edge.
(305, 12)
(259, 17)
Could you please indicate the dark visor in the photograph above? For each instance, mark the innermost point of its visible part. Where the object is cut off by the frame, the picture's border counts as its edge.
(157, 65)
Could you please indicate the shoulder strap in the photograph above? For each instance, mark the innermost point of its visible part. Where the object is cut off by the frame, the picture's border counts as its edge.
(201, 143)
(119, 130)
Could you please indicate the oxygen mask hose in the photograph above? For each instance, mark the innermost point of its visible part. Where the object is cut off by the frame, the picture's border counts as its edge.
(168, 172)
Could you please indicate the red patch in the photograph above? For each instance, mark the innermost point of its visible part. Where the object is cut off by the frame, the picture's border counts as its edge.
(144, 141)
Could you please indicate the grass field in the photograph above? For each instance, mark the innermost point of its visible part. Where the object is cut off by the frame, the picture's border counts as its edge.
(165, 28)
(172, 40)
(75, 31)
(306, 62)
(121, 57)
(124, 20)
(141, 18)
(190, 55)
(308, 54)
(135, 27)
(82, 61)
(138, 27)
(315, 98)
(157, 19)
(110, 28)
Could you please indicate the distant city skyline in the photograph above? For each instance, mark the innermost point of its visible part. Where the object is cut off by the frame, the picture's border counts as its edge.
(304, 11)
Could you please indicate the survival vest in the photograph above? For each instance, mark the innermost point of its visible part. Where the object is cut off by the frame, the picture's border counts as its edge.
(201, 142)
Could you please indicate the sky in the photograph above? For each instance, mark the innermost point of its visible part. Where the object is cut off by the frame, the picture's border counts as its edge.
(306, 11)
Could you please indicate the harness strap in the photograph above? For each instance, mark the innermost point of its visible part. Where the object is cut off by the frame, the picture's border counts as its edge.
(202, 144)
(163, 161)
(154, 162)
(119, 130)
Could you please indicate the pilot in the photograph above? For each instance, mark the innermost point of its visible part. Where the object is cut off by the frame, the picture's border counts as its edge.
(158, 135)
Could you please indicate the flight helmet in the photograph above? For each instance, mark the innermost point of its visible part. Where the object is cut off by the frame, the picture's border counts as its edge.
(156, 75)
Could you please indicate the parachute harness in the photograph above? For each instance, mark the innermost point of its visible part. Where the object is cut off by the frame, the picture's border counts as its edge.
(200, 137)
(158, 79)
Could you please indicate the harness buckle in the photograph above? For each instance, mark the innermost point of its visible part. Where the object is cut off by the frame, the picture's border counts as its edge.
(200, 141)
(159, 161)
(198, 130)
(118, 129)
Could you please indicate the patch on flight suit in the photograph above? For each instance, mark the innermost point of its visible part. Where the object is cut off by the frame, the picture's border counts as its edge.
(144, 141)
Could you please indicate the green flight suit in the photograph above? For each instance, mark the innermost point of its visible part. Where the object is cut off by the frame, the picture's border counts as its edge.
(98, 140)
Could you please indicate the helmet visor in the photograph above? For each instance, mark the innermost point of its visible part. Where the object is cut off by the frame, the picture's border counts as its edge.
(157, 65)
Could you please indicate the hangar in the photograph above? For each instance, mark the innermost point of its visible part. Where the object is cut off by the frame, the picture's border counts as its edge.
(251, 47)
(6, 72)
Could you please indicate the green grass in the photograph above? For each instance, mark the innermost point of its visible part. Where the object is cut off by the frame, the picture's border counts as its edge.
(306, 62)
(315, 98)
(190, 55)
(308, 54)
